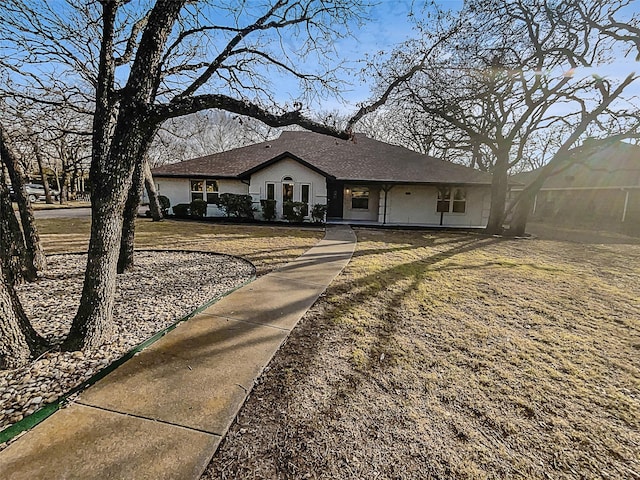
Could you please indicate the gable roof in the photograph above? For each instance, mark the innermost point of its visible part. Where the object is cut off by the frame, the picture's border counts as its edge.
(362, 159)
(614, 166)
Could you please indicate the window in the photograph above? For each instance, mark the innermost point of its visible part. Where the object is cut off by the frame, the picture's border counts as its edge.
(360, 198)
(271, 191)
(287, 191)
(212, 191)
(200, 187)
(197, 188)
(305, 198)
(451, 200)
(459, 200)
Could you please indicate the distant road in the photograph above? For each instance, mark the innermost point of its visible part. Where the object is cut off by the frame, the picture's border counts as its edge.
(64, 213)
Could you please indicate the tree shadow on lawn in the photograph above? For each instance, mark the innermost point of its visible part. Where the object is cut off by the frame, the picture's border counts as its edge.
(303, 349)
(363, 317)
(415, 271)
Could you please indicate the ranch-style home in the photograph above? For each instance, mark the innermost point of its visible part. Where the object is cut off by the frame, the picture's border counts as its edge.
(359, 180)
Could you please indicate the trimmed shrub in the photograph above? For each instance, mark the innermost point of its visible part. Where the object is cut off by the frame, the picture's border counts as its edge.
(198, 208)
(233, 205)
(181, 210)
(294, 211)
(165, 204)
(319, 213)
(268, 209)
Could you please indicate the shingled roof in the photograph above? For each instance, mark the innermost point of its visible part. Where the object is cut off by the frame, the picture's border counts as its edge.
(614, 166)
(361, 159)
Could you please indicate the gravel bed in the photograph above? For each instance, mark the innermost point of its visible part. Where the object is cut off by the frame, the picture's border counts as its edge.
(162, 288)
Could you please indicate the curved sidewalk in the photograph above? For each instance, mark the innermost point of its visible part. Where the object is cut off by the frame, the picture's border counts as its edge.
(162, 414)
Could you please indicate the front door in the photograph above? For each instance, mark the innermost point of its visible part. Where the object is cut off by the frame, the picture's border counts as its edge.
(335, 199)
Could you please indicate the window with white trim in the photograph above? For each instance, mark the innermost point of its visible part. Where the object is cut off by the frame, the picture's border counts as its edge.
(451, 200)
(304, 196)
(201, 187)
(360, 198)
(271, 191)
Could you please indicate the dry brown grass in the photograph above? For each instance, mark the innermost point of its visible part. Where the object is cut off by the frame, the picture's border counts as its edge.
(455, 356)
(266, 247)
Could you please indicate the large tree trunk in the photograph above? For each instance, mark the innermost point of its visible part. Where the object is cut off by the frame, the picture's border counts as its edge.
(125, 259)
(18, 340)
(521, 205)
(499, 189)
(12, 255)
(16, 329)
(518, 224)
(115, 153)
(64, 189)
(152, 193)
(110, 179)
(92, 324)
(34, 255)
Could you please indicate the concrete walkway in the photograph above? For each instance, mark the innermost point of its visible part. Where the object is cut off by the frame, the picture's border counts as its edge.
(162, 414)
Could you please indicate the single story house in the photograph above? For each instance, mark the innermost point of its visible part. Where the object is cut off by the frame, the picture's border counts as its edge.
(602, 189)
(360, 180)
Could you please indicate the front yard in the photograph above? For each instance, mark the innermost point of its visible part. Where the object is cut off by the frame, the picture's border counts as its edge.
(265, 246)
(436, 355)
(161, 288)
(455, 356)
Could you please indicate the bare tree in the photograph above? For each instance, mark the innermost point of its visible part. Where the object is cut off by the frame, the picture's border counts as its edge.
(18, 340)
(204, 133)
(152, 193)
(507, 79)
(35, 259)
(134, 68)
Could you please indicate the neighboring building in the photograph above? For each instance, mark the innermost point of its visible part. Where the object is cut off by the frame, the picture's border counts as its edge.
(360, 180)
(601, 189)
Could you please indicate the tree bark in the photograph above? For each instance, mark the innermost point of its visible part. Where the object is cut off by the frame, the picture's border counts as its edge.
(35, 259)
(152, 193)
(64, 188)
(125, 259)
(499, 188)
(18, 340)
(92, 324)
(518, 224)
(115, 153)
(12, 255)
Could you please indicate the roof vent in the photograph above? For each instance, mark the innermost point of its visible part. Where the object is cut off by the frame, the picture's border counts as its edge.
(267, 146)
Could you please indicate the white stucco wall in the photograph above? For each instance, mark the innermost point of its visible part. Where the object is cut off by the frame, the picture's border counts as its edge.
(406, 204)
(179, 191)
(416, 204)
(370, 214)
(299, 173)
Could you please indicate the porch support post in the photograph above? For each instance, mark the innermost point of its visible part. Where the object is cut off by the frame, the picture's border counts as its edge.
(385, 189)
(626, 205)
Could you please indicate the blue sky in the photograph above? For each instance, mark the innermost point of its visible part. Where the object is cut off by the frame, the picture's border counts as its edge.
(389, 25)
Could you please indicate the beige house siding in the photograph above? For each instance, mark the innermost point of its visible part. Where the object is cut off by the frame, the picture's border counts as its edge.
(300, 175)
